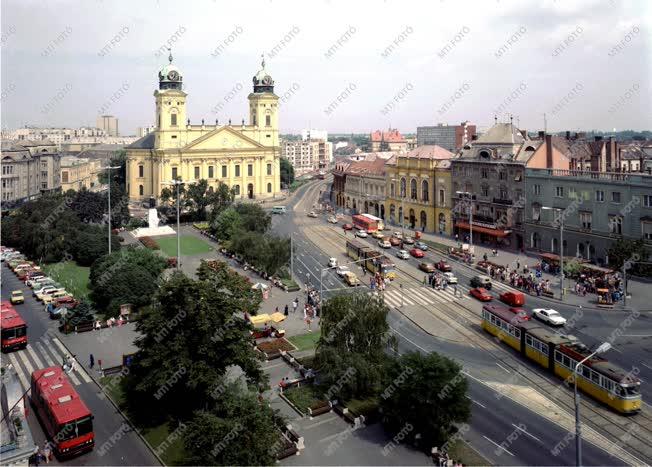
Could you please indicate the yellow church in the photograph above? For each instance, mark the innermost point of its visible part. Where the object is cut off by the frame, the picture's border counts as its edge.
(243, 156)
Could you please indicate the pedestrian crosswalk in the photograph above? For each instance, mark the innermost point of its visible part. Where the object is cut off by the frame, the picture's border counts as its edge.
(43, 353)
(424, 296)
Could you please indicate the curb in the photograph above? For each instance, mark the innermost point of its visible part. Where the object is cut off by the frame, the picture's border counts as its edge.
(122, 414)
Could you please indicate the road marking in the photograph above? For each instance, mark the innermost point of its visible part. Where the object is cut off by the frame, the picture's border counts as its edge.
(22, 356)
(38, 361)
(19, 371)
(476, 402)
(497, 445)
(321, 422)
(46, 356)
(503, 367)
(77, 366)
(646, 366)
(636, 335)
(526, 432)
(407, 339)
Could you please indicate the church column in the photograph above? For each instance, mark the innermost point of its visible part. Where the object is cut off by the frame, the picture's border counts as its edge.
(261, 186)
(204, 170)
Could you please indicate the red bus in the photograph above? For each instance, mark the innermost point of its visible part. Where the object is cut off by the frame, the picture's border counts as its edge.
(364, 223)
(13, 330)
(66, 420)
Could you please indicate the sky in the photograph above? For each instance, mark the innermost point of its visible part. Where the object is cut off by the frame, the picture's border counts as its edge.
(343, 66)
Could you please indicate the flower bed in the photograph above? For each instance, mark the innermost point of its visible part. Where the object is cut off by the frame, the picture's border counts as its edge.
(304, 397)
(275, 345)
(201, 225)
(150, 243)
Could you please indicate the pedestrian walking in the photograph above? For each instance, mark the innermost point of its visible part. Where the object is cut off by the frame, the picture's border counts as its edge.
(47, 452)
(91, 361)
(309, 323)
(287, 310)
(455, 290)
(425, 280)
(295, 304)
(99, 364)
(305, 311)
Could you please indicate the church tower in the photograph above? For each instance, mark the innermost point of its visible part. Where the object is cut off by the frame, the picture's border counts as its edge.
(263, 108)
(170, 108)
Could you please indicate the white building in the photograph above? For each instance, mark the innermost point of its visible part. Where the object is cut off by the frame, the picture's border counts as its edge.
(144, 130)
(308, 155)
(109, 124)
(314, 134)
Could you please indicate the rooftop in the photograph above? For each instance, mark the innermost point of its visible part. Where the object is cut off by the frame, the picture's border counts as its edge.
(392, 135)
(429, 151)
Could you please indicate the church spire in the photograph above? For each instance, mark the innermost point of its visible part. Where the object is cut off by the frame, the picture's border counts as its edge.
(170, 56)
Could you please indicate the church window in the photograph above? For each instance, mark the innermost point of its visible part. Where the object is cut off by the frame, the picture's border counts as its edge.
(268, 120)
(140, 190)
(197, 173)
(269, 169)
(211, 173)
(141, 171)
(254, 120)
(269, 188)
(173, 119)
(224, 171)
(250, 170)
(236, 189)
(175, 173)
(237, 170)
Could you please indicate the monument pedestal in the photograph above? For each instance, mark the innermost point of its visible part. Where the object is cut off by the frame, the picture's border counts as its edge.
(154, 229)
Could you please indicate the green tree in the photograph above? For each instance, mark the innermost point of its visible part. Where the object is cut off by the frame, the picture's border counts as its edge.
(188, 339)
(254, 218)
(220, 199)
(91, 244)
(426, 393)
(239, 430)
(632, 252)
(226, 224)
(88, 205)
(287, 172)
(198, 199)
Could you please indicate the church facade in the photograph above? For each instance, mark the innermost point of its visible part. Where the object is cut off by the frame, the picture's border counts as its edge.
(243, 156)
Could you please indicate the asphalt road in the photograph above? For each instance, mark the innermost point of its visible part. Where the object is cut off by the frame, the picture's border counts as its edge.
(44, 350)
(495, 419)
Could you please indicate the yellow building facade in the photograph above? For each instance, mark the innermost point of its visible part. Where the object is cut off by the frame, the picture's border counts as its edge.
(245, 156)
(419, 190)
(78, 173)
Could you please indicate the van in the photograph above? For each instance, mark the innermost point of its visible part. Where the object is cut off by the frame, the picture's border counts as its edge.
(481, 281)
(278, 210)
(513, 298)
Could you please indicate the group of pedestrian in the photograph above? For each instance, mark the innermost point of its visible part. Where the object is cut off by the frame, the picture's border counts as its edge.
(377, 282)
(44, 454)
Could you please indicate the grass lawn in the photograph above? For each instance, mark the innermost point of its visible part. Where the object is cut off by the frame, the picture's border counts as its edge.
(304, 396)
(190, 245)
(305, 341)
(73, 277)
(462, 452)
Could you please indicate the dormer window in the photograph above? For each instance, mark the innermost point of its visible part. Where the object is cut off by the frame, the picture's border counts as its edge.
(173, 119)
(484, 154)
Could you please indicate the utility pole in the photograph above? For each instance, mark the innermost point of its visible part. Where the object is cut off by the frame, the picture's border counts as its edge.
(109, 179)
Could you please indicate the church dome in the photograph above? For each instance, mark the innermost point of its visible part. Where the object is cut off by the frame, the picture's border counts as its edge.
(263, 81)
(170, 77)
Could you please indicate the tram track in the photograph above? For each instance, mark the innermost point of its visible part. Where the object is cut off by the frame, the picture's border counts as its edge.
(632, 432)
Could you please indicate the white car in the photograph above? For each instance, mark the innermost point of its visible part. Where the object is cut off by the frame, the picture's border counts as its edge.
(403, 254)
(384, 244)
(398, 235)
(450, 278)
(342, 270)
(332, 220)
(332, 262)
(312, 214)
(361, 233)
(549, 316)
(44, 289)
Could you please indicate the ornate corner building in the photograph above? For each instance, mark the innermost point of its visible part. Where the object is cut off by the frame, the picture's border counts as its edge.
(245, 157)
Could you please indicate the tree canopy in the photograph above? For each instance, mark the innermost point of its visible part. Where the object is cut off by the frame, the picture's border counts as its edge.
(287, 172)
(630, 252)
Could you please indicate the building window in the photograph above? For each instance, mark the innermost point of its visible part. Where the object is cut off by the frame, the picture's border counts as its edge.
(392, 190)
(503, 193)
(197, 170)
(173, 119)
(646, 230)
(141, 171)
(236, 190)
(615, 225)
(269, 169)
(424, 191)
(485, 190)
(572, 193)
(140, 190)
(536, 212)
(502, 175)
(647, 201)
(250, 170)
(44, 185)
(536, 189)
(442, 197)
(403, 187)
(7, 169)
(175, 173)
(224, 171)
(483, 172)
(268, 120)
(64, 178)
(559, 191)
(413, 189)
(615, 196)
(585, 220)
(269, 188)
(237, 170)
(599, 195)
(211, 171)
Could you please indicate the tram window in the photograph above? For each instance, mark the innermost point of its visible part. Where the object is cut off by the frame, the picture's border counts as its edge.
(632, 390)
(557, 356)
(566, 361)
(517, 333)
(608, 384)
(544, 348)
(595, 377)
(586, 372)
(528, 340)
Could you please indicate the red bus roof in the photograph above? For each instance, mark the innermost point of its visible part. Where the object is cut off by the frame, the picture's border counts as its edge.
(9, 317)
(59, 395)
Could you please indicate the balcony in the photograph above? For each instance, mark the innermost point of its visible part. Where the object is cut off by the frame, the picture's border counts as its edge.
(504, 202)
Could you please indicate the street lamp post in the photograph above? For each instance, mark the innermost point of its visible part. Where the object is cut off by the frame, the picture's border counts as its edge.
(578, 424)
(178, 184)
(109, 180)
(561, 250)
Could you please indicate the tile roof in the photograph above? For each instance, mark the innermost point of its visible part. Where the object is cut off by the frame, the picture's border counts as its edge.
(501, 133)
(146, 142)
(374, 167)
(429, 151)
(392, 135)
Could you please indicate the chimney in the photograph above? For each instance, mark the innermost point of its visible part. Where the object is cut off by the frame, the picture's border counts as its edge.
(567, 134)
(542, 135)
(474, 137)
(612, 156)
(549, 161)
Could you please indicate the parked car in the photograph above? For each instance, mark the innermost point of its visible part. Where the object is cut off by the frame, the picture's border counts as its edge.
(403, 254)
(332, 220)
(347, 226)
(17, 297)
(384, 244)
(421, 246)
(427, 267)
(361, 233)
(66, 300)
(481, 294)
(443, 266)
(398, 235)
(39, 282)
(513, 298)
(351, 279)
(44, 288)
(394, 241)
(50, 298)
(450, 278)
(341, 270)
(332, 262)
(550, 316)
(408, 240)
(417, 253)
(57, 313)
(481, 281)
(377, 234)
(312, 214)
(49, 291)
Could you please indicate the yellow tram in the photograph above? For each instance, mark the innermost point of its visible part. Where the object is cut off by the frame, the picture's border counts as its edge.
(559, 354)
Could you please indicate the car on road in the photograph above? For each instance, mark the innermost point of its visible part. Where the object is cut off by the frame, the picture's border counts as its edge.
(44, 288)
(361, 233)
(398, 235)
(341, 270)
(550, 316)
(481, 281)
(394, 241)
(312, 214)
(421, 246)
(57, 313)
(481, 294)
(377, 234)
(450, 278)
(417, 253)
(275, 209)
(443, 266)
(403, 254)
(384, 244)
(332, 220)
(427, 267)
(351, 279)
(408, 240)
(347, 226)
(520, 312)
(332, 262)
(17, 297)
(513, 298)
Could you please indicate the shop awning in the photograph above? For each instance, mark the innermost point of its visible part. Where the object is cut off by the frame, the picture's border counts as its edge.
(493, 232)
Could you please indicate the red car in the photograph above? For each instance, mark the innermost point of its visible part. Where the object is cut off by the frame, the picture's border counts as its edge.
(416, 253)
(394, 241)
(481, 294)
(347, 226)
(67, 301)
(520, 312)
(443, 266)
